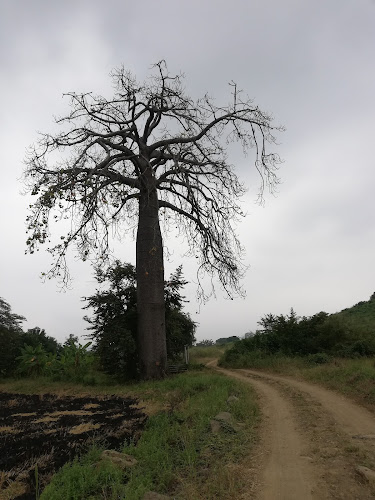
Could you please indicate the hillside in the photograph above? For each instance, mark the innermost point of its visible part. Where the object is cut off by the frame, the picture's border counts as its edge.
(361, 315)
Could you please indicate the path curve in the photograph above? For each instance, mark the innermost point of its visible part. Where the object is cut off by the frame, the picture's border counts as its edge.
(313, 440)
(354, 420)
(288, 474)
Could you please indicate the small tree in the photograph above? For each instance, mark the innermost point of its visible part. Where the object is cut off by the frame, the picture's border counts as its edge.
(32, 360)
(205, 343)
(74, 360)
(150, 153)
(114, 324)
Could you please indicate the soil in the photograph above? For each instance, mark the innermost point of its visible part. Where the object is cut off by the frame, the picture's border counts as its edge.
(313, 442)
(42, 432)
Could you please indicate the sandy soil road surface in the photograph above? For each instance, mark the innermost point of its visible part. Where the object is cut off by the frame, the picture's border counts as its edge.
(314, 443)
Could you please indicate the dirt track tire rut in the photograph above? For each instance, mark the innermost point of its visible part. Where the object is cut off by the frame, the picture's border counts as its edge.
(288, 473)
(312, 441)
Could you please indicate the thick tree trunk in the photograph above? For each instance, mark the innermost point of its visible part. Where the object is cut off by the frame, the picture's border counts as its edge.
(150, 288)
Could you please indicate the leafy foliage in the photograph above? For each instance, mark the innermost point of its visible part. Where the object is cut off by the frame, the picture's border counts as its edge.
(227, 340)
(114, 323)
(37, 336)
(10, 337)
(32, 360)
(205, 343)
(361, 315)
(350, 333)
(10, 343)
(34, 353)
(8, 319)
(72, 363)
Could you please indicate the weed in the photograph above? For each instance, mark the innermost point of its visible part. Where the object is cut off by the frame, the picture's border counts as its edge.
(176, 454)
(202, 354)
(37, 493)
(354, 377)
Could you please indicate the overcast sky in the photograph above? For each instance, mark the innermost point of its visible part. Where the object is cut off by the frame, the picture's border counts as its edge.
(309, 63)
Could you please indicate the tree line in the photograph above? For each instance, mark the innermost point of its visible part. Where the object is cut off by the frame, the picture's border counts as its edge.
(319, 337)
(112, 332)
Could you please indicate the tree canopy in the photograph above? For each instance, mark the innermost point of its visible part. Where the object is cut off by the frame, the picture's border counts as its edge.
(113, 325)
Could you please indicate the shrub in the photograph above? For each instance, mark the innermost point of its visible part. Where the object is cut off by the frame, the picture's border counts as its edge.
(32, 360)
(10, 343)
(319, 358)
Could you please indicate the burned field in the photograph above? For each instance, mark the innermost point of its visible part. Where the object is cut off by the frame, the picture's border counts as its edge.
(42, 432)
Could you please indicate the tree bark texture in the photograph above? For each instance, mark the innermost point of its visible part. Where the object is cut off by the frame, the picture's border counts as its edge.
(150, 287)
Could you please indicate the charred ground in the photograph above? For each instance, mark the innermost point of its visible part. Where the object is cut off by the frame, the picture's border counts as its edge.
(42, 432)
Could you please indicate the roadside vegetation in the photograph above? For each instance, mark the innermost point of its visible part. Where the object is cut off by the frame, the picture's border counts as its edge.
(336, 350)
(177, 453)
(112, 347)
(200, 355)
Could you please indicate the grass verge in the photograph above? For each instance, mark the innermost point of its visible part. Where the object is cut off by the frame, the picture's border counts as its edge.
(352, 377)
(177, 454)
(204, 354)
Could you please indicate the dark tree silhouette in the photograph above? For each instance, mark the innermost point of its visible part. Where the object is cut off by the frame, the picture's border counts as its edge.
(10, 337)
(113, 325)
(8, 319)
(149, 154)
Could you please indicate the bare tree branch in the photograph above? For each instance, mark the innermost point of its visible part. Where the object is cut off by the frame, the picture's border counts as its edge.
(150, 137)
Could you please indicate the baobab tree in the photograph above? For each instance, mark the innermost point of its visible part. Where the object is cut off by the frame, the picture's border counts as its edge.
(150, 154)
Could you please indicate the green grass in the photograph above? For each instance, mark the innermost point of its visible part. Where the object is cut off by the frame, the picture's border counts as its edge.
(203, 354)
(352, 377)
(43, 385)
(86, 478)
(256, 360)
(177, 454)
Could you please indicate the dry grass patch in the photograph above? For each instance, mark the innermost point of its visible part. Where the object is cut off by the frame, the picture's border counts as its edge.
(76, 413)
(8, 430)
(89, 406)
(32, 414)
(88, 426)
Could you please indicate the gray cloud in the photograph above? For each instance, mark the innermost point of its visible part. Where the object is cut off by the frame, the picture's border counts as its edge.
(308, 63)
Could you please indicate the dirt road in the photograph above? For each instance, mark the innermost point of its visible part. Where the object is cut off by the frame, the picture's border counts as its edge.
(315, 444)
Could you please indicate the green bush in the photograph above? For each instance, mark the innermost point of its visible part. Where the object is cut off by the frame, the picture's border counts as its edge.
(114, 323)
(33, 360)
(176, 448)
(74, 363)
(86, 477)
(317, 338)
